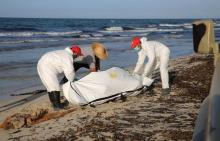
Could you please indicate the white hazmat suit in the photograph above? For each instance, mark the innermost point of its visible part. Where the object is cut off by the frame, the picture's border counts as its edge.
(158, 56)
(54, 63)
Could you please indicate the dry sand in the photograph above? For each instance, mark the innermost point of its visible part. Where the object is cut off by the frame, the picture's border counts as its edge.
(148, 116)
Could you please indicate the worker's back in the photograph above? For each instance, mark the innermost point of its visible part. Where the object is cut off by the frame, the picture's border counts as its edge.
(159, 48)
(57, 61)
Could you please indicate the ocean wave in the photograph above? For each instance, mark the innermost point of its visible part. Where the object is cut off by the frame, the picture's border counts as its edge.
(118, 28)
(129, 29)
(18, 29)
(217, 24)
(133, 34)
(173, 36)
(144, 29)
(62, 33)
(85, 36)
(92, 35)
(28, 41)
(97, 35)
(16, 34)
(188, 26)
(30, 34)
(156, 30)
(148, 29)
(171, 30)
(218, 28)
(176, 25)
(27, 47)
(114, 28)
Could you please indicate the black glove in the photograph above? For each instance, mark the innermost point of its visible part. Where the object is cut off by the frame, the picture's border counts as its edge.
(64, 80)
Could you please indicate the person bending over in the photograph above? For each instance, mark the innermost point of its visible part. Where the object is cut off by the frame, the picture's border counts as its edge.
(158, 57)
(54, 63)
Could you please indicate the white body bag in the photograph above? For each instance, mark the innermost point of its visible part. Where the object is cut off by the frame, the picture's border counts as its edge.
(103, 86)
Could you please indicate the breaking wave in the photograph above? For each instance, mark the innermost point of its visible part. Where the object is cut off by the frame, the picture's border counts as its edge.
(30, 34)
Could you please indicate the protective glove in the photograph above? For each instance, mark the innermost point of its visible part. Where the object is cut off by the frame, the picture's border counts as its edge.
(75, 79)
(63, 80)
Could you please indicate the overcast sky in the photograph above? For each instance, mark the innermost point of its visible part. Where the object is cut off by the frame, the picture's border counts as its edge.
(110, 8)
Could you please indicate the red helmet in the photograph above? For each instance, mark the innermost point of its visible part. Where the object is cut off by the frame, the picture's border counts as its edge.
(135, 41)
(77, 50)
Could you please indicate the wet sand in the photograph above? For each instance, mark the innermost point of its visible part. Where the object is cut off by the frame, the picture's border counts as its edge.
(148, 116)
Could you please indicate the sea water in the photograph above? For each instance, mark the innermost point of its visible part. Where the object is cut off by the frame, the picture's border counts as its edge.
(23, 41)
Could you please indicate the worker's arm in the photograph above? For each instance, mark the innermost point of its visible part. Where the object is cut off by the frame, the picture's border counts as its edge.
(151, 60)
(92, 67)
(140, 62)
(69, 71)
(95, 65)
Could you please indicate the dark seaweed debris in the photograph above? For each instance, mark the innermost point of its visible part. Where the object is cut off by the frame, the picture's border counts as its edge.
(163, 119)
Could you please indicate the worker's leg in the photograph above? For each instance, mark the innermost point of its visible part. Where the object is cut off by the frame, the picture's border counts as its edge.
(164, 60)
(54, 97)
(48, 78)
(50, 81)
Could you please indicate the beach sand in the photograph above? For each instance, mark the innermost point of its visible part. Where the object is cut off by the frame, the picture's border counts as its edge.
(148, 116)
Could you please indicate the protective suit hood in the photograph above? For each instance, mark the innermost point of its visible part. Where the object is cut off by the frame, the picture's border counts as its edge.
(143, 39)
(68, 50)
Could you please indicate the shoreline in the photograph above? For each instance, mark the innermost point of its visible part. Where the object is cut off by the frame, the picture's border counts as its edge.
(144, 117)
(39, 86)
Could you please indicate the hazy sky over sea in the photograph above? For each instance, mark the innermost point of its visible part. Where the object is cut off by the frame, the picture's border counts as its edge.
(110, 8)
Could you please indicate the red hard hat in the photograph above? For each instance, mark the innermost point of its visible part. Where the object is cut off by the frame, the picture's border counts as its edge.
(135, 41)
(77, 50)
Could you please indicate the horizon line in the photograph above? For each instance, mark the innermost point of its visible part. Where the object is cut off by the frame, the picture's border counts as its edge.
(109, 18)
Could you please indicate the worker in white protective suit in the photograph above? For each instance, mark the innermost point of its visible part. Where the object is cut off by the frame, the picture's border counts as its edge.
(53, 64)
(158, 57)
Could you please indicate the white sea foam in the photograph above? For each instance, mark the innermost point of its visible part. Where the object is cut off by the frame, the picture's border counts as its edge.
(85, 36)
(151, 29)
(171, 30)
(97, 35)
(156, 30)
(218, 28)
(173, 36)
(28, 41)
(145, 30)
(16, 34)
(114, 28)
(217, 24)
(169, 25)
(188, 26)
(29, 34)
(61, 33)
(134, 34)
(175, 25)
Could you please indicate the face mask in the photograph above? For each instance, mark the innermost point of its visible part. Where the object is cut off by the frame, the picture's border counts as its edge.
(137, 48)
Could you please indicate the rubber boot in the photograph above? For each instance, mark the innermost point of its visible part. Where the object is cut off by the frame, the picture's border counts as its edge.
(54, 97)
(165, 92)
(51, 97)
